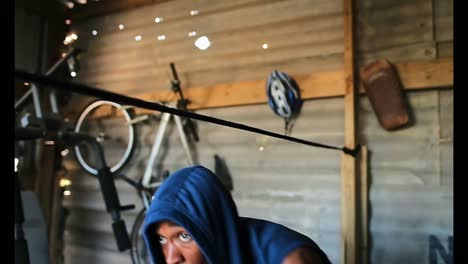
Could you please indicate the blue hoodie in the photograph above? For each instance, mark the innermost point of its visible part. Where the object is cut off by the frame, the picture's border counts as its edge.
(195, 199)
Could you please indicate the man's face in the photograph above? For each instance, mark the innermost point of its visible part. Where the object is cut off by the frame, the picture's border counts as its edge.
(177, 245)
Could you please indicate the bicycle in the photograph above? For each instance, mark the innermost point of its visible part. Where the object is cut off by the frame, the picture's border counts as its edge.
(52, 127)
(90, 121)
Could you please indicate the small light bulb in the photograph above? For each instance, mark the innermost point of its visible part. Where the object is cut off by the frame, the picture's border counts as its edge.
(121, 26)
(68, 21)
(73, 74)
(64, 152)
(202, 43)
(265, 46)
(158, 19)
(94, 32)
(64, 182)
(138, 38)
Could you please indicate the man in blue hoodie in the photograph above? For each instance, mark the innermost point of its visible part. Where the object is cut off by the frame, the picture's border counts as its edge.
(193, 219)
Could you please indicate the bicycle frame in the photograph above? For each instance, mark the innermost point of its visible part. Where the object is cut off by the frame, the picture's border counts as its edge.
(158, 139)
(52, 121)
(33, 93)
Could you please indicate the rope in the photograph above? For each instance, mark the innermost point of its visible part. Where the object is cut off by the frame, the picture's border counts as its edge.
(126, 100)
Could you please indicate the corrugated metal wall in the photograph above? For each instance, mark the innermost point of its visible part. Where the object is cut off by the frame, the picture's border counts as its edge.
(411, 174)
(411, 169)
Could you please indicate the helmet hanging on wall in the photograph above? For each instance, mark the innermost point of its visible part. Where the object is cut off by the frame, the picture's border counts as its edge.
(283, 96)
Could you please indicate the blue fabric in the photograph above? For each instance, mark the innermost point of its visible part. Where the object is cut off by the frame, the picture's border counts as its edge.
(195, 199)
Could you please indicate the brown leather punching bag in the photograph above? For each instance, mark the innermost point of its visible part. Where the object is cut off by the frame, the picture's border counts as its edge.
(382, 86)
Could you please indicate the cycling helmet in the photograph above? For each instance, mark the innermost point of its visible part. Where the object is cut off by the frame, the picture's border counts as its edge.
(283, 95)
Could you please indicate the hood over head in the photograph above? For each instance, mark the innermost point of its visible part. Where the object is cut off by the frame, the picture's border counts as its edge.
(195, 199)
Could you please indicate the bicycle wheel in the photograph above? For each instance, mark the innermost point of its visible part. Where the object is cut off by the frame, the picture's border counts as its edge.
(115, 134)
(139, 252)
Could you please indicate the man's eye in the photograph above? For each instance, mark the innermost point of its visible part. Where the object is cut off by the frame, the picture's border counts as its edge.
(184, 237)
(162, 240)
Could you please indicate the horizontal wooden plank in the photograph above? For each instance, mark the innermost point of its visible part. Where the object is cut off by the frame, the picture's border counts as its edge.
(414, 75)
(428, 74)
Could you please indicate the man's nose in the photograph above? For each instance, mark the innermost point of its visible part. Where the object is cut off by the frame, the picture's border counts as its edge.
(174, 255)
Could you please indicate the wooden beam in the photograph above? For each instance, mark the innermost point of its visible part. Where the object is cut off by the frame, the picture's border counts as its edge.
(426, 74)
(413, 75)
(364, 208)
(349, 173)
(45, 180)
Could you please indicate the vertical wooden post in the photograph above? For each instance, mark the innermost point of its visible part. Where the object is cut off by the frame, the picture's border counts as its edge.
(349, 247)
(364, 198)
(55, 230)
(45, 180)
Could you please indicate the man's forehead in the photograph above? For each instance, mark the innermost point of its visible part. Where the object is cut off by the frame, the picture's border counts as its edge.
(167, 223)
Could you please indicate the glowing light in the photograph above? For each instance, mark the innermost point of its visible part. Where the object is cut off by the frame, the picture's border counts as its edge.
(74, 36)
(158, 19)
(16, 164)
(192, 34)
(94, 32)
(265, 46)
(73, 74)
(202, 43)
(138, 38)
(65, 182)
(68, 21)
(64, 152)
(26, 83)
(121, 27)
(261, 148)
(67, 192)
(194, 12)
(161, 37)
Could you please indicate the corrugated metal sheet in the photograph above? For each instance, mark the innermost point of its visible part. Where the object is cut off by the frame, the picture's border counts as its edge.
(409, 204)
(411, 169)
(299, 186)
